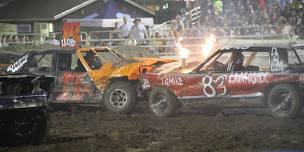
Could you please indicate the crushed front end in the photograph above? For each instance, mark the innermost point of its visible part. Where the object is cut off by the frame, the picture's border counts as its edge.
(23, 108)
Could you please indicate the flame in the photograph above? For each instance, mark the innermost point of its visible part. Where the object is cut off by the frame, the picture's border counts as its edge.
(208, 45)
(183, 52)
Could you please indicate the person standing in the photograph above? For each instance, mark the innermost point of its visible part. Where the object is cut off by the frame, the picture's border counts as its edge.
(138, 32)
(125, 28)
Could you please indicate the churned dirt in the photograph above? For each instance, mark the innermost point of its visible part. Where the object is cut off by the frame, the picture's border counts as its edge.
(75, 128)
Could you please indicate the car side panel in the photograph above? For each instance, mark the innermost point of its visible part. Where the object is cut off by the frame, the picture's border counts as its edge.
(248, 83)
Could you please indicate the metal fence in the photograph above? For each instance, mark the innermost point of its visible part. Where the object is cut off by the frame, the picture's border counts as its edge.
(165, 44)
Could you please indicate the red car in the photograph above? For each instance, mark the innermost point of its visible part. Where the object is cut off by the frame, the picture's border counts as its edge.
(274, 73)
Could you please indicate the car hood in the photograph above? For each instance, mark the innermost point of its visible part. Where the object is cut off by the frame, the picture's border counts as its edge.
(150, 61)
(175, 67)
(136, 67)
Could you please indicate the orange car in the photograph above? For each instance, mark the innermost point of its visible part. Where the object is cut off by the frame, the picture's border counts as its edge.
(116, 77)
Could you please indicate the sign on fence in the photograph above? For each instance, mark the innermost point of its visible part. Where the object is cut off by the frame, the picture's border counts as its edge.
(70, 35)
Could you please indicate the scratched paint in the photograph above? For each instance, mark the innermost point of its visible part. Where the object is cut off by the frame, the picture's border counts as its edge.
(276, 64)
(248, 78)
(18, 64)
(172, 81)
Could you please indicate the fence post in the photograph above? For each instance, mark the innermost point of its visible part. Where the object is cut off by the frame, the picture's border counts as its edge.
(262, 32)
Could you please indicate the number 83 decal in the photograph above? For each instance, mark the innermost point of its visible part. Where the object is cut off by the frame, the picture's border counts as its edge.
(217, 88)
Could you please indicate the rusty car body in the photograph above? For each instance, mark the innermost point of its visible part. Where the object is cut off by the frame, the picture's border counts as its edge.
(273, 72)
(72, 83)
(116, 77)
(23, 108)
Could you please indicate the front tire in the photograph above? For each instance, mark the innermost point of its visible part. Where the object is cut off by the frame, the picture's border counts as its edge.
(162, 102)
(120, 97)
(284, 101)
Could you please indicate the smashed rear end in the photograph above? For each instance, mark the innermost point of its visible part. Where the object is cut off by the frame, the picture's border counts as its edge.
(23, 107)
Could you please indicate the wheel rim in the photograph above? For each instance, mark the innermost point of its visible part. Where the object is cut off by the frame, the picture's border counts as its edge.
(160, 104)
(282, 103)
(118, 98)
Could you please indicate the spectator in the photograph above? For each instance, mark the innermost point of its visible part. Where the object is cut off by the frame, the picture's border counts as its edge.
(15, 38)
(286, 29)
(125, 28)
(116, 31)
(116, 34)
(158, 41)
(52, 40)
(27, 38)
(138, 32)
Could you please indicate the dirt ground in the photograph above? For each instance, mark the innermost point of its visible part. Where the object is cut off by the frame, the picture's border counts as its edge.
(206, 128)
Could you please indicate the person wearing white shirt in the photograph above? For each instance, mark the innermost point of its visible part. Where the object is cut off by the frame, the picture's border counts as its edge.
(138, 32)
(125, 28)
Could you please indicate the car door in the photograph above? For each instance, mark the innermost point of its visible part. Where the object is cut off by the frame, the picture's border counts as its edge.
(250, 80)
(98, 64)
(210, 79)
(73, 83)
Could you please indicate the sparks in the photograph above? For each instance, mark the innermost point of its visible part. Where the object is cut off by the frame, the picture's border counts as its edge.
(208, 45)
(183, 52)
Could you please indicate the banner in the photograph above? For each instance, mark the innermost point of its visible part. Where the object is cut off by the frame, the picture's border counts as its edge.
(70, 35)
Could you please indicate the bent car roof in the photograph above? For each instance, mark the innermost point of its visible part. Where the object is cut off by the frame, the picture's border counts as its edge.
(264, 45)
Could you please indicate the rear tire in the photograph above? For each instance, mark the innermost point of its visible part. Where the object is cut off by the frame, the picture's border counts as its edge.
(162, 102)
(120, 97)
(284, 101)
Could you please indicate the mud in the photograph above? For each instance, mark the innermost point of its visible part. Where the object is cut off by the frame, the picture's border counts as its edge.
(206, 128)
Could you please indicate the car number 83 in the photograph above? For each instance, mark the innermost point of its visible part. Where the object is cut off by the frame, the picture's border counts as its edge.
(217, 88)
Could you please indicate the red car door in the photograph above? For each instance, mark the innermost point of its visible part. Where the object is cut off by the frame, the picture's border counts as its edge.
(73, 85)
(210, 79)
(250, 80)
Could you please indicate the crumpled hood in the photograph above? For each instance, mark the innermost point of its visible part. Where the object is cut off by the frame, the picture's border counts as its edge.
(132, 70)
(175, 67)
(150, 61)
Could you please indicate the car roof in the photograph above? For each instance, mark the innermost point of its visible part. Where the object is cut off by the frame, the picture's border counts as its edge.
(263, 45)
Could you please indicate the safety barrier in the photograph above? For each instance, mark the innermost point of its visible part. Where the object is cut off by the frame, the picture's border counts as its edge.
(162, 46)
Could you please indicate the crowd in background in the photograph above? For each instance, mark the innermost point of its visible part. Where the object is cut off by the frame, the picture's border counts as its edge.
(277, 16)
(220, 17)
(135, 31)
(11, 39)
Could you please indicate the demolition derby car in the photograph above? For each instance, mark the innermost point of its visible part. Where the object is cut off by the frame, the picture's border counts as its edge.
(7, 58)
(72, 83)
(23, 112)
(273, 72)
(116, 77)
(88, 74)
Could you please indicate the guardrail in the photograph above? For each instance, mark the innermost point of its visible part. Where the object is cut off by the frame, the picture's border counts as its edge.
(34, 38)
(164, 45)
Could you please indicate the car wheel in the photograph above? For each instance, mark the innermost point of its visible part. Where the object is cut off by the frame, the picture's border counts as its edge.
(120, 97)
(162, 102)
(284, 101)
